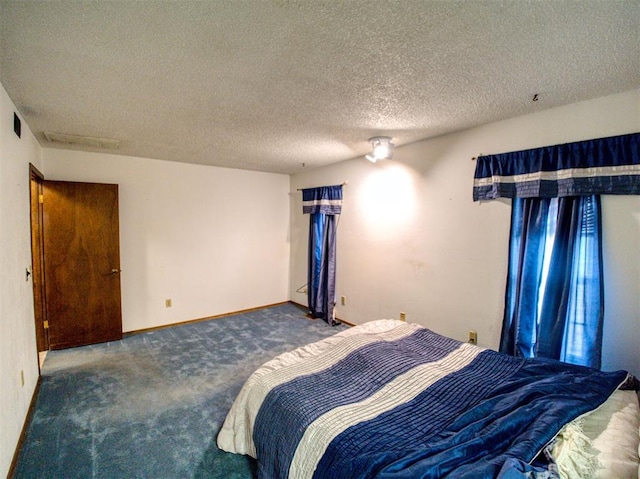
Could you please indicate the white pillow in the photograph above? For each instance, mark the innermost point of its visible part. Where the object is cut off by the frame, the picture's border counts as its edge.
(614, 429)
(603, 444)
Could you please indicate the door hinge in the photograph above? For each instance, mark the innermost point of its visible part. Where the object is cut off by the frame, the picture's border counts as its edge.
(40, 199)
(46, 325)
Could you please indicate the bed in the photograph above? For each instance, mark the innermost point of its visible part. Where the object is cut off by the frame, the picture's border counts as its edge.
(388, 399)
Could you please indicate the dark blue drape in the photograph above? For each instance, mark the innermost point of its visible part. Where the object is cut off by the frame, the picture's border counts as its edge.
(593, 167)
(323, 204)
(324, 199)
(554, 301)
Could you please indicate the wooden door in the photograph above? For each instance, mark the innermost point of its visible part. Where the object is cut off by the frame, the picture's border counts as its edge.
(82, 263)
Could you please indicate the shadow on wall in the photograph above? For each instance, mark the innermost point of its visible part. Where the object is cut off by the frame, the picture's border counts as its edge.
(621, 235)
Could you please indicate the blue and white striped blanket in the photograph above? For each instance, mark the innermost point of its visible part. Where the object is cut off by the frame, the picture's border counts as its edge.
(396, 400)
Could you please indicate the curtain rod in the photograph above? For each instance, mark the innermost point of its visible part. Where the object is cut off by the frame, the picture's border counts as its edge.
(345, 182)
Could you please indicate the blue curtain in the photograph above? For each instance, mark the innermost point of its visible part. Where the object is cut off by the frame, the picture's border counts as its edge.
(594, 167)
(323, 204)
(554, 301)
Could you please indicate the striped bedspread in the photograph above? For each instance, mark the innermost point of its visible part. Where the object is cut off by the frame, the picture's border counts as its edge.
(395, 400)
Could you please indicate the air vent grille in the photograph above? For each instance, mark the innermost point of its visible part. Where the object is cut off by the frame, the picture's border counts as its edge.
(102, 143)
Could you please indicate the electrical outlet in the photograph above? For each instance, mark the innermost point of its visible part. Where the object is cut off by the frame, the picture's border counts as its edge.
(403, 316)
(343, 300)
(167, 303)
(473, 337)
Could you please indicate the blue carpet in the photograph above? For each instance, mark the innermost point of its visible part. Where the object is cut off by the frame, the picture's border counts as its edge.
(151, 405)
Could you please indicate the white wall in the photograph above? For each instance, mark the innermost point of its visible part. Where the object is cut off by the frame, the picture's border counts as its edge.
(411, 239)
(199, 236)
(17, 336)
(213, 240)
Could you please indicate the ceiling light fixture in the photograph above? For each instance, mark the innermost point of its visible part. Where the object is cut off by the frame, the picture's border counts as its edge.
(382, 148)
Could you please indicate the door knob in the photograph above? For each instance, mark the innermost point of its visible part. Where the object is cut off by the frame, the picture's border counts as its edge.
(116, 271)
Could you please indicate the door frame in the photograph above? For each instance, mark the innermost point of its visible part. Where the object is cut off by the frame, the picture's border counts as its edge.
(36, 179)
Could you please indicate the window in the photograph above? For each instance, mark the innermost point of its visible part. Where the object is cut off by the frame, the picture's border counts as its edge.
(554, 298)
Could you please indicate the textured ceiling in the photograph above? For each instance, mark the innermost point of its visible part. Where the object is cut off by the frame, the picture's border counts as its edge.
(270, 85)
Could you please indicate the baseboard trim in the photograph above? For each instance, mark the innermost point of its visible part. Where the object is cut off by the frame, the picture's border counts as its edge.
(23, 433)
(299, 305)
(198, 320)
(224, 315)
(302, 306)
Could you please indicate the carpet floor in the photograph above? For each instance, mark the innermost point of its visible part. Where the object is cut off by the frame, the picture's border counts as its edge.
(150, 406)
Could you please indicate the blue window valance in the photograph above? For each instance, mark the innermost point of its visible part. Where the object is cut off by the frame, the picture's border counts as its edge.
(324, 199)
(605, 166)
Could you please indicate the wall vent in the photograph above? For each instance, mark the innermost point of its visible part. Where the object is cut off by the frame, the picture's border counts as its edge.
(102, 143)
(17, 125)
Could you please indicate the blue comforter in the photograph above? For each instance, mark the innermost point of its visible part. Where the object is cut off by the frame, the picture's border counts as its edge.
(420, 405)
